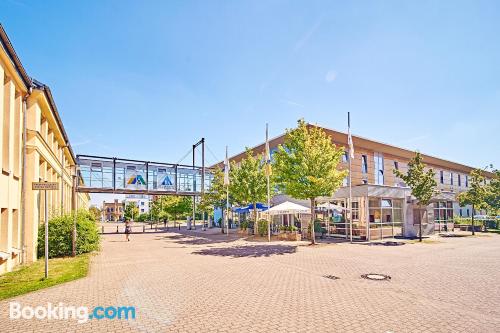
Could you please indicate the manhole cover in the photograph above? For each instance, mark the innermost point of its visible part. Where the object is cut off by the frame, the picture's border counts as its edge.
(376, 277)
(331, 277)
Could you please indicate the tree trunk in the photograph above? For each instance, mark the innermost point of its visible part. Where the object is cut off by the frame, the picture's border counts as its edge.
(473, 232)
(255, 226)
(420, 225)
(223, 218)
(313, 233)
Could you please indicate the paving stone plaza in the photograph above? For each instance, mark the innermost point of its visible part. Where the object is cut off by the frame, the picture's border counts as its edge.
(188, 281)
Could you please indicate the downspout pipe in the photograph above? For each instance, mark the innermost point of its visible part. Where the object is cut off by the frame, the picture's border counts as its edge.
(23, 178)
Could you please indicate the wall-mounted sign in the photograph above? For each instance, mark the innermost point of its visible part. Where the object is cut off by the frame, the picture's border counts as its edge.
(45, 186)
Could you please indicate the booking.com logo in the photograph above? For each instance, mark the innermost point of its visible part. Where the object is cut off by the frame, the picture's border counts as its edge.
(64, 312)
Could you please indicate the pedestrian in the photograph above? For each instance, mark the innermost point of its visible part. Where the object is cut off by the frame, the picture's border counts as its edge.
(128, 230)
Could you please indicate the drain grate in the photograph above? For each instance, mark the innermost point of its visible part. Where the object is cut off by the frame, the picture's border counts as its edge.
(376, 277)
(331, 277)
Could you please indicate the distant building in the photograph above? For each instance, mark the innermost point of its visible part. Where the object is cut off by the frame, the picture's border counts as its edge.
(112, 211)
(142, 202)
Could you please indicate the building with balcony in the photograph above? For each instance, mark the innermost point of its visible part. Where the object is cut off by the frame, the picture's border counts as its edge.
(33, 147)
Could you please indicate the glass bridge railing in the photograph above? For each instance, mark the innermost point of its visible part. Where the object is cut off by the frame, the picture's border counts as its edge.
(114, 175)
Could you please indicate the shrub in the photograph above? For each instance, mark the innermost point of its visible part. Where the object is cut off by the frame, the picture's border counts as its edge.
(262, 227)
(60, 235)
(244, 225)
(143, 217)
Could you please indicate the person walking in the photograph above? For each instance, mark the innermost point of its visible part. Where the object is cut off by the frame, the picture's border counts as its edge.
(128, 230)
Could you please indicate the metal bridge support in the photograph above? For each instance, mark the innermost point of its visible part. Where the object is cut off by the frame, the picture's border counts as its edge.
(202, 143)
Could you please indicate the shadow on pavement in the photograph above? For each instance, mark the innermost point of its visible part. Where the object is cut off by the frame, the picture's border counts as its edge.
(254, 251)
(196, 240)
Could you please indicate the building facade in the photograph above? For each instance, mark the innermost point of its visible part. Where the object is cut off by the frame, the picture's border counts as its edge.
(34, 147)
(382, 205)
(112, 211)
(141, 201)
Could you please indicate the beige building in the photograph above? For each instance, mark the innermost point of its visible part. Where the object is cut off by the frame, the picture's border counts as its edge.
(112, 211)
(382, 204)
(34, 147)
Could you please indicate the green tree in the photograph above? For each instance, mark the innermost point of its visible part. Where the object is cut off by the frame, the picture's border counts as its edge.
(179, 206)
(96, 213)
(215, 196)
(131, 210)
(475, 195)
(248, 182)
(421, 182)
(493, 194)
(306, 165)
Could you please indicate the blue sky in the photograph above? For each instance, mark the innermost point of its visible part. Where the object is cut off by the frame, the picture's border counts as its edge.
(147, 79)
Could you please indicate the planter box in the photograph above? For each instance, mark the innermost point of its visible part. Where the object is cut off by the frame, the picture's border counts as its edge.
(290, 236)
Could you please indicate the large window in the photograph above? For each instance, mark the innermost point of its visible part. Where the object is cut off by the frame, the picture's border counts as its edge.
(441, 177)
(379, 168)
(459, 180)
(386, 216)
(443, 213)
(364, 164)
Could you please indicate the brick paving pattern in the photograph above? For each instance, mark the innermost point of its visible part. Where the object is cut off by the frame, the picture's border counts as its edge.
(190, 282)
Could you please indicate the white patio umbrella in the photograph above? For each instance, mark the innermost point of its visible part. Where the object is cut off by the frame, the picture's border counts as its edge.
(331, 206)
(288, 207)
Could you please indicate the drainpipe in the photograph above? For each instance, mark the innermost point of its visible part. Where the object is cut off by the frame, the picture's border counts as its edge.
(23, 179)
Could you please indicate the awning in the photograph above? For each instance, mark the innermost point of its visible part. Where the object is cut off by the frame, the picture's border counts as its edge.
(288, 207)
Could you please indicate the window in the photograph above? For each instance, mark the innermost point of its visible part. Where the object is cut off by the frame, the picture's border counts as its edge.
(441, 177)
(451, 178)
(142, 203)
(7, 85)
(355, 211)
(345, 157)
(379, 168)
(467, 184)
(468, 212)
(4, 229)
(396, 165)
(459, 180)
(364, 164)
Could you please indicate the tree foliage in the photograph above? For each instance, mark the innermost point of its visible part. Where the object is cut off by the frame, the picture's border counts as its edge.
(492, 198)
(131, 210)
(476, 194)
(96, 213)
(421, 182)
(171, 207)
(249, 181)
(306, 165)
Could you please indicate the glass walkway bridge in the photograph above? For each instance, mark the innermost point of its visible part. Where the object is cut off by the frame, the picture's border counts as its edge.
(123, 176)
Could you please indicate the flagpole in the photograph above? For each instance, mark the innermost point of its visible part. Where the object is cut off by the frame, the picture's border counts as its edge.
(227, 194)
(268, 185)
(350, 178)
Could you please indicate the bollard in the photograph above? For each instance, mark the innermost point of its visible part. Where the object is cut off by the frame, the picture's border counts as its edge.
(116, 229)
(143, 228)
(102, 229)
(156, 226)
(179, 226)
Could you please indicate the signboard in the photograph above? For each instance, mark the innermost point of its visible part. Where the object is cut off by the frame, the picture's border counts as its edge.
(45, 186)
(166, 179)
(135, 178)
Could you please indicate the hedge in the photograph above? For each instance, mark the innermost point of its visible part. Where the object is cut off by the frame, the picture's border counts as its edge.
(60, 235)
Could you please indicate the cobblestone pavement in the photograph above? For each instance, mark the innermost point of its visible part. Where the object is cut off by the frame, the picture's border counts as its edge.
(190, 282)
